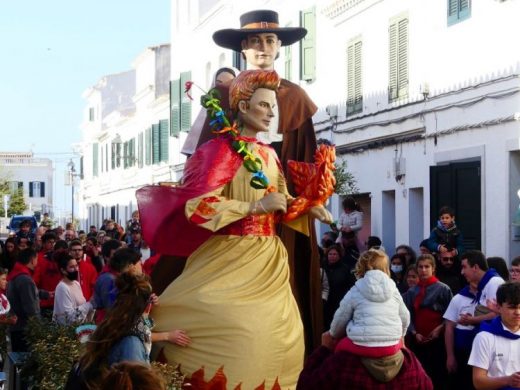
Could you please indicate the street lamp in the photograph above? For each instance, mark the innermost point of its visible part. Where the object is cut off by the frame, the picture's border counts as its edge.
(72, 171)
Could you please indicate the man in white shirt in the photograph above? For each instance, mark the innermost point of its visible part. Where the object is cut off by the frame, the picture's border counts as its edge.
(476, 271)
(495, 355)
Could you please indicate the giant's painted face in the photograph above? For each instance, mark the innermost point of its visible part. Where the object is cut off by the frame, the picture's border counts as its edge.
(257, 112)
(261, 50)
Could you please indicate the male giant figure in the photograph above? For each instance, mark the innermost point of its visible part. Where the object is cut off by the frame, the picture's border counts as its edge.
(292, 136)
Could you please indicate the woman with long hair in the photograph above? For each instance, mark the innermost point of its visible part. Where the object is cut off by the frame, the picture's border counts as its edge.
(408, 252)
(133, 376)
(340, 280)
(70, 305)
(124, 334)
(427, 303)
(9, 255)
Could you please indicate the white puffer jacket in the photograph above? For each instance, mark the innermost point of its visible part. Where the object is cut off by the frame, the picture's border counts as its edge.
(373, 312)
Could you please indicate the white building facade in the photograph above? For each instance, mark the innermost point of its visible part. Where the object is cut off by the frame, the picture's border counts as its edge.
(421, 98)
(128, 141)
(33, 175)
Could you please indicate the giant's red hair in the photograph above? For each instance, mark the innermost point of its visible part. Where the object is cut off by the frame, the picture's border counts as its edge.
(248, 81)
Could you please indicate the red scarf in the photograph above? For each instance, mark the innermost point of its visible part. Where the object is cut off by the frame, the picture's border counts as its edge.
(423, 284)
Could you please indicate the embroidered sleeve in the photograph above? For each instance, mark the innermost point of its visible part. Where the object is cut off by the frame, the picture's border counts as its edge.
(214, 211)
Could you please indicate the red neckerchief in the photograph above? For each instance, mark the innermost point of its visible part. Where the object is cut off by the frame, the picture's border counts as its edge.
(19, 269)
(423, 284)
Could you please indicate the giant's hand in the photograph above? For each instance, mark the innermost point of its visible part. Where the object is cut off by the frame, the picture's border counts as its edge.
(321, 213)
(272, 202)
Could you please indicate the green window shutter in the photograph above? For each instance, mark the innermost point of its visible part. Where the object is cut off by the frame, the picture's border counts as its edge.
(288, 62)
(175, 110)
(113, 156)
(453, 10)
(125, 155)
(308, 45)
(131, 147)
(164, 139)
(140, 149)
(392, 76)
(185, 103)
(402, 65)
(81, 169)
(464, 9)
(155, 144)
(101, 162)
(148, 146)
(95, 156)
(358, 75)
(354, 78)
(458, 10)
(398, 59)
(118, 155)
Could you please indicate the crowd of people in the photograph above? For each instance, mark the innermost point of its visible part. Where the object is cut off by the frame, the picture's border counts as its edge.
(449, 295)
(72, 277)
(447, 318)
(426, 314)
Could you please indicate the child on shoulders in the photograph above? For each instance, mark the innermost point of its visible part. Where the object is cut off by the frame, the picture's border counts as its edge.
(372, 315)
(446, 236)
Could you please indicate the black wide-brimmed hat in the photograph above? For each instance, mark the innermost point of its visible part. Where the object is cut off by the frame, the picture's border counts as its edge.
(257, 22)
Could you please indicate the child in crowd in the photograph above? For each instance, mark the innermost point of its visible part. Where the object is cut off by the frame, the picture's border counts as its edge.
(446, 236)
(496, 349)
(374, 242)
(423, 247)
(351, 219)
(372, 314)
(412, 276)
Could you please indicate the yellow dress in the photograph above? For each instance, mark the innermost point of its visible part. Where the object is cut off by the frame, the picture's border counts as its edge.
(234, 298)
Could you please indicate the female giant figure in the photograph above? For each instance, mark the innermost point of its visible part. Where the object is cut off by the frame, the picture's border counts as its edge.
(234, 296)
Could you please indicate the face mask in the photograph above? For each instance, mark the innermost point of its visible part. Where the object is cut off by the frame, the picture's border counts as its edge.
(396, 268)
(72, 275)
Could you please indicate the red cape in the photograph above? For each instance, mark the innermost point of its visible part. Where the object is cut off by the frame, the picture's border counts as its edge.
(161, 208)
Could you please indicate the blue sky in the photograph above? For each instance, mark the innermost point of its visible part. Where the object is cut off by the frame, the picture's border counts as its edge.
(51, 52)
